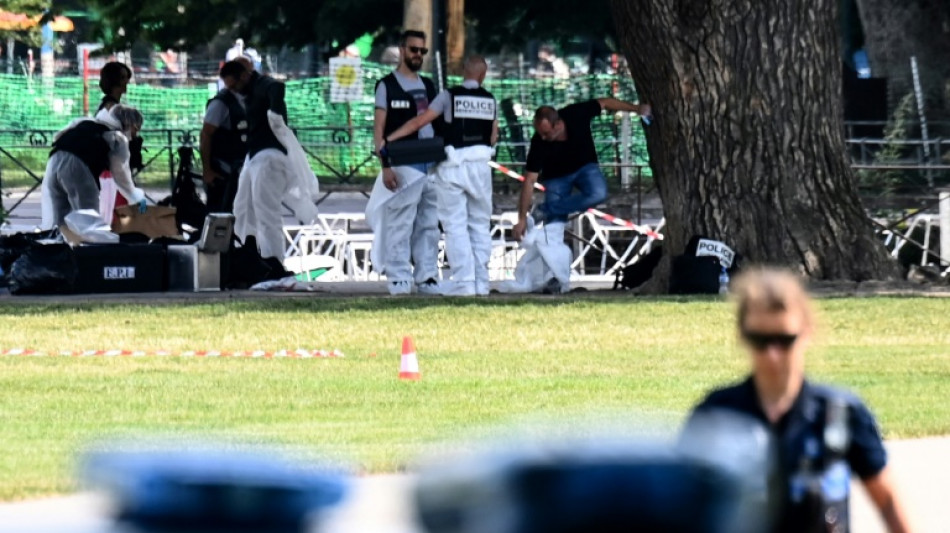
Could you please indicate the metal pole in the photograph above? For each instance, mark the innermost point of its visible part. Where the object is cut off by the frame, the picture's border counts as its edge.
(438, 70)
(918, 92)
(625, 142)
(944, 227)
(10, 43)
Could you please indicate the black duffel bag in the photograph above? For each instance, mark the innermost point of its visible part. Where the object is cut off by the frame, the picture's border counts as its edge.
(44, 269)
(697, 270)
(414, 151)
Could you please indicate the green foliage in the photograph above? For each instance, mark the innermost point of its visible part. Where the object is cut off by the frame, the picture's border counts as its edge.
(501, 24)
(493, 24)
(897, 130)
(30, 8)
(484, 363)
(294, 23)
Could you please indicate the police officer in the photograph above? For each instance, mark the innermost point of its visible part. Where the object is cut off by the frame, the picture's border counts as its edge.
(80, 153)
(224, 140)
(405, 224)
(463, 180)
(819, 434)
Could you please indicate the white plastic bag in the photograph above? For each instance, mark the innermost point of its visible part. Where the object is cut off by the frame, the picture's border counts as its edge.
(88, 225)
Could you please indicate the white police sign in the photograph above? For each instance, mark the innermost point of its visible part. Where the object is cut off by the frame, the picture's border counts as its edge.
(709, 247)
(475, 107)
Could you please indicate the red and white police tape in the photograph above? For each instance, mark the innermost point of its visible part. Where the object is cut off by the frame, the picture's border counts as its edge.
(646, 230)
(256, 354)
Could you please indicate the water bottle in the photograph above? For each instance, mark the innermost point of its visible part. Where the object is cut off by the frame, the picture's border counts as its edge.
(723, 281)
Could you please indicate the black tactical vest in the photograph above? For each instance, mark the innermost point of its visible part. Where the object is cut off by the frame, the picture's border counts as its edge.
(401, 106)
(85, 141)
(818, 488)
(230, 145)
(260, 136)
(473, 114)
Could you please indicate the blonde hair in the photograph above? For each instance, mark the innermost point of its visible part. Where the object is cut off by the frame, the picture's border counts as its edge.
(128, 116)
(772, 290)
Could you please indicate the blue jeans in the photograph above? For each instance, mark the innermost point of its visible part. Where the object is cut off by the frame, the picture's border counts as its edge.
(558, 200)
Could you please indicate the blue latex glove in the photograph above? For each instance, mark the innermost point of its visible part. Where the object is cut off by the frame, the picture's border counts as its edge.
(142, 206)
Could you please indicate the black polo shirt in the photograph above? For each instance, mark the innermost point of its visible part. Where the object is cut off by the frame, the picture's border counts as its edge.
(554, 159)
(796, 435)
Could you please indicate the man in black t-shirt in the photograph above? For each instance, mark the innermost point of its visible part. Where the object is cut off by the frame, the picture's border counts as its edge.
(562, 157)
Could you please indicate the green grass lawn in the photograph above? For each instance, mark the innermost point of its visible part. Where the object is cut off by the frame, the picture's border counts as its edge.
(484, 363)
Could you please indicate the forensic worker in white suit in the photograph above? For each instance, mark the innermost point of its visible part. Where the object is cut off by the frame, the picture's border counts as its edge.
(463, 181)
(402, 207)
(276, 173)
(81, 152)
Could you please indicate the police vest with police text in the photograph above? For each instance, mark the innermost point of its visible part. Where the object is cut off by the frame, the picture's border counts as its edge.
(401, 106)
(230, 145)
(85, 140)
(473, 114)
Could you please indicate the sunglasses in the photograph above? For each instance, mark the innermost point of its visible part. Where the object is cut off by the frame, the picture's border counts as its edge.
(421, 50)
(761, 341)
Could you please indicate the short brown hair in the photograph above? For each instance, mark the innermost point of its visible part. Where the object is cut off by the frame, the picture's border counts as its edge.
(772, 290)
(546, 112)
(411, 33)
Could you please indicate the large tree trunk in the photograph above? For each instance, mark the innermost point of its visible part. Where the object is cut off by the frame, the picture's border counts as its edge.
(894, 31)
(455, 9)
(747, 142)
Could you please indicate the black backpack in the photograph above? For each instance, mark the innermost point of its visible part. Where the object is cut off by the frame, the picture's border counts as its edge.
(697, 270)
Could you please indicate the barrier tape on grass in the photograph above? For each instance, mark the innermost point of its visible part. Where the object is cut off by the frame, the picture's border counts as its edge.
(256, 354)
(646, 230)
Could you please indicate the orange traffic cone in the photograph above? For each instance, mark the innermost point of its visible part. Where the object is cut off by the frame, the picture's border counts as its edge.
(409, 366)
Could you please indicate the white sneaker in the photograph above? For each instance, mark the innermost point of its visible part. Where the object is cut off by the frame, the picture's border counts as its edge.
(463, 288)
(400, 287)
(430, 286)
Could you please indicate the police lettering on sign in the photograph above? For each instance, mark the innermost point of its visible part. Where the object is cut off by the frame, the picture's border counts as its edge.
(709, 247)
(474, 107)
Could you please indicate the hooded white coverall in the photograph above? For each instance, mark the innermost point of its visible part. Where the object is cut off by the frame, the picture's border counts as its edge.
(68, 184)
(463, 182)
(546, 256)
(405, 225)
(270, 179)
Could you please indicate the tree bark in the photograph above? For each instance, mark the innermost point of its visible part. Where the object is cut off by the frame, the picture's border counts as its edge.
(747, 143)
(894, 31)
(455, 9)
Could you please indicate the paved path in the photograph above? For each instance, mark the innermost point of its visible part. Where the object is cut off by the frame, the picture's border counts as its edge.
(381, 504)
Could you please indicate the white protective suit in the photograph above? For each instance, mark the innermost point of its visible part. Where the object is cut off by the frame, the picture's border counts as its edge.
(68, 184)
(546, 256)
(463, 184)
(270, 179)
(405, 225)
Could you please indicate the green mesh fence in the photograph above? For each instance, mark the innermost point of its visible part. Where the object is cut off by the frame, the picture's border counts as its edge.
(337, 137)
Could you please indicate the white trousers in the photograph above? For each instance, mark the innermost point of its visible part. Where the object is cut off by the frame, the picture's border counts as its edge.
(67, 186)
(405, 225)
(264, 181)
(465, 207)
